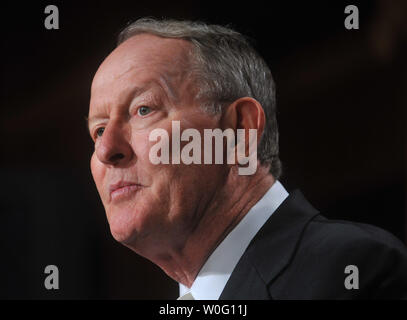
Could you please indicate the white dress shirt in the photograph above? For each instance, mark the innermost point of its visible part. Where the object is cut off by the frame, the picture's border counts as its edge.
(215, 273)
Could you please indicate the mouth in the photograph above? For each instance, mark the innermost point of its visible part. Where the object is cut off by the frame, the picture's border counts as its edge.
(123, 190)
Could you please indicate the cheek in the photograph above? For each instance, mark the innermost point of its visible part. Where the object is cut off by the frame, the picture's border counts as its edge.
(141, 145)
(98, 173)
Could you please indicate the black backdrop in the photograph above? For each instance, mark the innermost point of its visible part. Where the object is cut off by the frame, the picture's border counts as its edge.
(341, 110)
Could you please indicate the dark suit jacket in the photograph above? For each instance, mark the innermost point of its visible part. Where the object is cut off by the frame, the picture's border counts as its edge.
(299, 254)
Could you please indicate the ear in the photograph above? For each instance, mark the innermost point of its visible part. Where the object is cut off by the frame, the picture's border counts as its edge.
(245, 116)
(245, 113)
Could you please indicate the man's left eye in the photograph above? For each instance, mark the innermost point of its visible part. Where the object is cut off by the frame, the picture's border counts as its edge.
(143, 111)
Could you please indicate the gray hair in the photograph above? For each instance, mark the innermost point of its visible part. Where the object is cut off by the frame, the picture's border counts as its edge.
(227, 68)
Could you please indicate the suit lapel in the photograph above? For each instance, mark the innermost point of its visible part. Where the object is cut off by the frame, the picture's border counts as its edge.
(270, 251)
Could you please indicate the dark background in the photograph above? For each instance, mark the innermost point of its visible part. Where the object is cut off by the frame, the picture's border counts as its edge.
(341, 110)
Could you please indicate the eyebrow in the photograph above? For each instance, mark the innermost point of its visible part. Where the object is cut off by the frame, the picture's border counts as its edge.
(163, 83)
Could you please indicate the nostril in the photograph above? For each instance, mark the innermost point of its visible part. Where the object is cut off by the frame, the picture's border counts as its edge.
(117, 157)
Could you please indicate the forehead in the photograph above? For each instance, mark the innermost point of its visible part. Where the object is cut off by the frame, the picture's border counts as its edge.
(142, 58)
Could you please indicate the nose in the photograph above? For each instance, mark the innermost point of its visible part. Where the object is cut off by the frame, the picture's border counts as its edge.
(113, 147)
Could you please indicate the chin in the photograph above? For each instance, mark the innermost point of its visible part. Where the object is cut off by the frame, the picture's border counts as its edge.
(120, 236)
(122, 227)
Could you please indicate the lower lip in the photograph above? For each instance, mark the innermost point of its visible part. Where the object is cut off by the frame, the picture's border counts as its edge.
(124, 192)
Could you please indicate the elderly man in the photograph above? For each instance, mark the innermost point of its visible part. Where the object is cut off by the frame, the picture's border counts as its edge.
(219, 233)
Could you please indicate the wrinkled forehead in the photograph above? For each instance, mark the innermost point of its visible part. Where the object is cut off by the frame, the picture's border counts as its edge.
(144, 56)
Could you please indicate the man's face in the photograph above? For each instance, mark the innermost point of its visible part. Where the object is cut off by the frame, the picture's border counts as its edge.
(142, 85)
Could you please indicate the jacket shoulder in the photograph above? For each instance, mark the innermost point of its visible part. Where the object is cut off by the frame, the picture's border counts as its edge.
(330, 251)
(341, 234)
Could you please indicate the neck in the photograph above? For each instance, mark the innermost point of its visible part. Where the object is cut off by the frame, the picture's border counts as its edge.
(225, 210)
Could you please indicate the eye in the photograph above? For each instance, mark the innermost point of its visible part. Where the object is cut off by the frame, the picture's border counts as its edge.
(143, 111)
(99, 131)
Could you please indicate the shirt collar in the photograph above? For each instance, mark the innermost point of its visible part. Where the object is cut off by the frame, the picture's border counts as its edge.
(216, 271)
